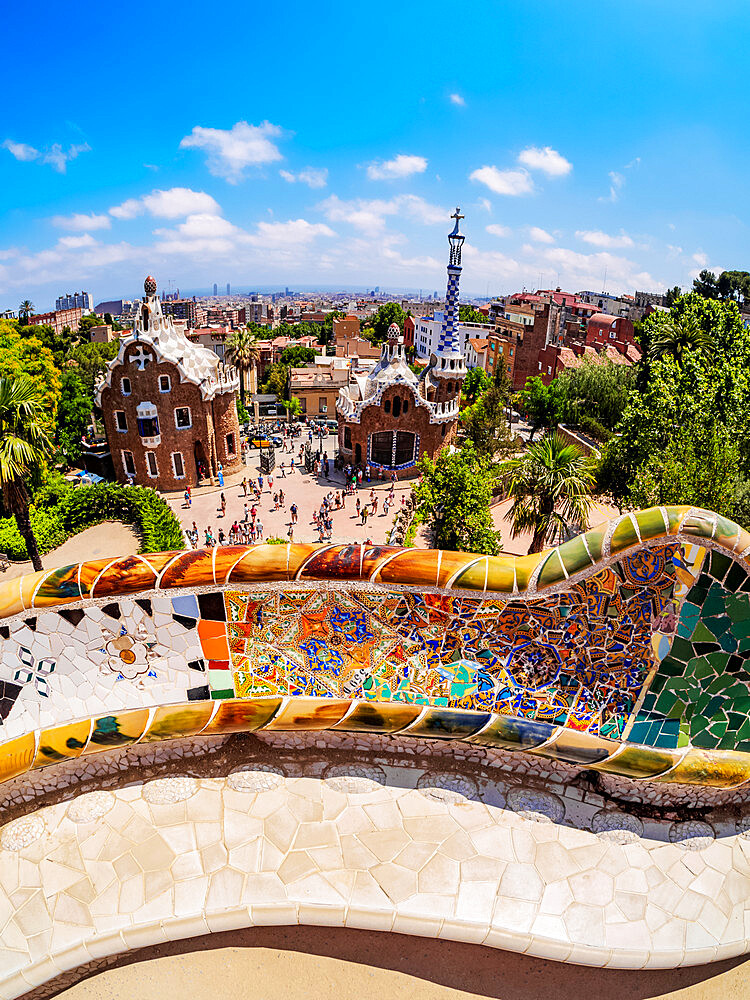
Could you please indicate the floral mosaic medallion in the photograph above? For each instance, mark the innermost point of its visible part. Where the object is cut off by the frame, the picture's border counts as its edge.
(34, 672)
(127, 655)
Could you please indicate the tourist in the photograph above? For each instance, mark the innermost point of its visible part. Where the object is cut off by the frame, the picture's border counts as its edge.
(222, 536)
(290, 533)
(283, 473)
(359, 506)
(253, 512)
(291, 464)
(365, 513)
(293, 512)
(260, 484)
(374, 506)
(223, 505)
(270, 483)
(282, 498)
(259, 530)
(244, 486)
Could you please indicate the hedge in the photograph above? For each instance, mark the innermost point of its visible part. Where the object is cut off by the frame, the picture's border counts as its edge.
(60, 511)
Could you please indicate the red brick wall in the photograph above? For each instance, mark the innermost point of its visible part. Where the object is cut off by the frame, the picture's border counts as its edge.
(374, 419)
(205, 415)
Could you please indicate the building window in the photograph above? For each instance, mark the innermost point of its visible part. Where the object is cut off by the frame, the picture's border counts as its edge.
(182, 418)
(302, 404)
(121, 420)
(178, 465)
(405, 442)
(406, 405)
(125, 386)
(230, 444)
(127, 461)
(347, 437)
(443, 429)
(148, 427)
(322, 404)
(387, 406)
(397, 406)
(165, 383)
(151, 465)
(381, 447)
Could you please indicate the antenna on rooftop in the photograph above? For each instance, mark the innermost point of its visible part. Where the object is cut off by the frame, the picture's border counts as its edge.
(604, 286)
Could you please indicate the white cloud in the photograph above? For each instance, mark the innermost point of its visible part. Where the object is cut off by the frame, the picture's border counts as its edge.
(508, 182)
(701, 259)
(289, 234)
(230, 151)
(173, 203)
(400, 166)
(546, 159)
(599, 239)
(616, 183)
(212, 235)
(314, 177)
(21, 150)
(540, 235)
(457, 99)
(76, 242)
(80, 222)
(369, 216)
(495, 230)
(57, 157)
(485, 204)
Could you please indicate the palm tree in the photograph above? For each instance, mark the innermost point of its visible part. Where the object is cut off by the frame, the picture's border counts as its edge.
(25, 310)
(23, 445)
(675, 336)
(243, 353)
(550, 485)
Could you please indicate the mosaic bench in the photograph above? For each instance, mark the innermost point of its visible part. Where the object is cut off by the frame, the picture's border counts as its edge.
(623, 650)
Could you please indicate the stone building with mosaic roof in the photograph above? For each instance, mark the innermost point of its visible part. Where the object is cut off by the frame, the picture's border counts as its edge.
(388, 419)
(169, 405)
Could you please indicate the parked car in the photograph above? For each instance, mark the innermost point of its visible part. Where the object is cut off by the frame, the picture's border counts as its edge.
(332, 425)
(276, 441)
(260, 442)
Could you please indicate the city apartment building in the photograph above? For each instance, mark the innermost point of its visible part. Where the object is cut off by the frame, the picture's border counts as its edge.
(58, 319)
(187, 309)
(78, 300)
(317, 389)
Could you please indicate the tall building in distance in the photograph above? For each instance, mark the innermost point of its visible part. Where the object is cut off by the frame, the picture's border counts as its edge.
(229, 289)
(78, 300)
(216, 289)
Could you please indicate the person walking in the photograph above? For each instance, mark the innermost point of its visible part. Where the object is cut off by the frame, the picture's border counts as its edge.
(283, 473)
(282, 498)
(365, 512)
(187, 498)
(259, 530)
(260, 484)
(359, 506)
(244, 487)
(223, 505)
(270, 483)
(293, 512)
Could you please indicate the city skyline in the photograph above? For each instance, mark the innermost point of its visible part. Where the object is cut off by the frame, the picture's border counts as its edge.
(572, 155)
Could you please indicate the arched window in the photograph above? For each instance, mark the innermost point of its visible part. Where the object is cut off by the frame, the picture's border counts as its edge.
(443, 429)
(406, 406)
(347, 437)
(387, 406)
(397, 406)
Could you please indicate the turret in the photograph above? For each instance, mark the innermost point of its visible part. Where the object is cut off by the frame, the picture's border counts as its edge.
(448, 363)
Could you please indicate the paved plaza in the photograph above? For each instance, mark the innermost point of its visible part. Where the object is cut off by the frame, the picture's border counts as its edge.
(301, 488)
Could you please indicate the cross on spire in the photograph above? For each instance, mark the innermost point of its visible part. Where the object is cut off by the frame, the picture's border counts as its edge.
(457, 214)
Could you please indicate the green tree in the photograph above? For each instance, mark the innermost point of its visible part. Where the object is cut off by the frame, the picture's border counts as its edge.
(676, 335)
(476, 383)
(550, 486)
(454, 495)
(293, 408)
(21, 355)
(73, 415)
(541, 403)
(90, 361)
(86, 322)
(705, 284)
(243, 353)
(277, 380)
(296, 356)
(24, 446)
(597, 390)
(485, 423)
(326, 330)
(377, 326)
(672, 295)
(468, 314)
(25, 310)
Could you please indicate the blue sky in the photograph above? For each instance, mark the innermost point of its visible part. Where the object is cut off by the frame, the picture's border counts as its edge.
(327, 144)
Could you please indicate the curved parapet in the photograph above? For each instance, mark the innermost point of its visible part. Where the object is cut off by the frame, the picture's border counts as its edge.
(622, 650)
(547, 754)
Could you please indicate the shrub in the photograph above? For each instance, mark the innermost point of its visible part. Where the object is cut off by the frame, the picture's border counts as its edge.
(591, 426)
(60, 510)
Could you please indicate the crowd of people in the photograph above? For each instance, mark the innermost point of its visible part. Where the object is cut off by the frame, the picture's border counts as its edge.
(248, 528)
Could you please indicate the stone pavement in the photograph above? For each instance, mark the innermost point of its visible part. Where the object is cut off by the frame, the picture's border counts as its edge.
(299, 487)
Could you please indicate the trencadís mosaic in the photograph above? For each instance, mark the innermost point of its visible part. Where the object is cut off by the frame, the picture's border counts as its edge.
(624, 650)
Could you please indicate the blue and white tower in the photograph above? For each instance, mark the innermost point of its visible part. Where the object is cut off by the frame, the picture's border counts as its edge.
(448, 360)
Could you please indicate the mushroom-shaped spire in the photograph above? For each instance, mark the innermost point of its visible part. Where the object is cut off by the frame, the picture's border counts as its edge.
(394, 332)
(149, 286)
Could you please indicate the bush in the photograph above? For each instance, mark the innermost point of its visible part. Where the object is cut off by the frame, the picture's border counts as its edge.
(591, 426)
(60, 510)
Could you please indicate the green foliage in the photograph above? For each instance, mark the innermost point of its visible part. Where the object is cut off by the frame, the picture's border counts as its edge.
(453, 496)
(242, 415)
(476, 383)
(597, 389)
(684, 406)
(89, 361)
(296, 356)
(86, 322)
(592, 427)
(26, 355)
(732, 286)
(485, 423)
(376, 330)
(468, 314)
(275, 540)
(61, 510)
(277, 377)
(550, 485)
(292, 406)
(73, 414)
(541, 403)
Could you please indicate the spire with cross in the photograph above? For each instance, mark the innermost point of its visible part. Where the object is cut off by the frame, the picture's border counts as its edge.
(449, 342)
